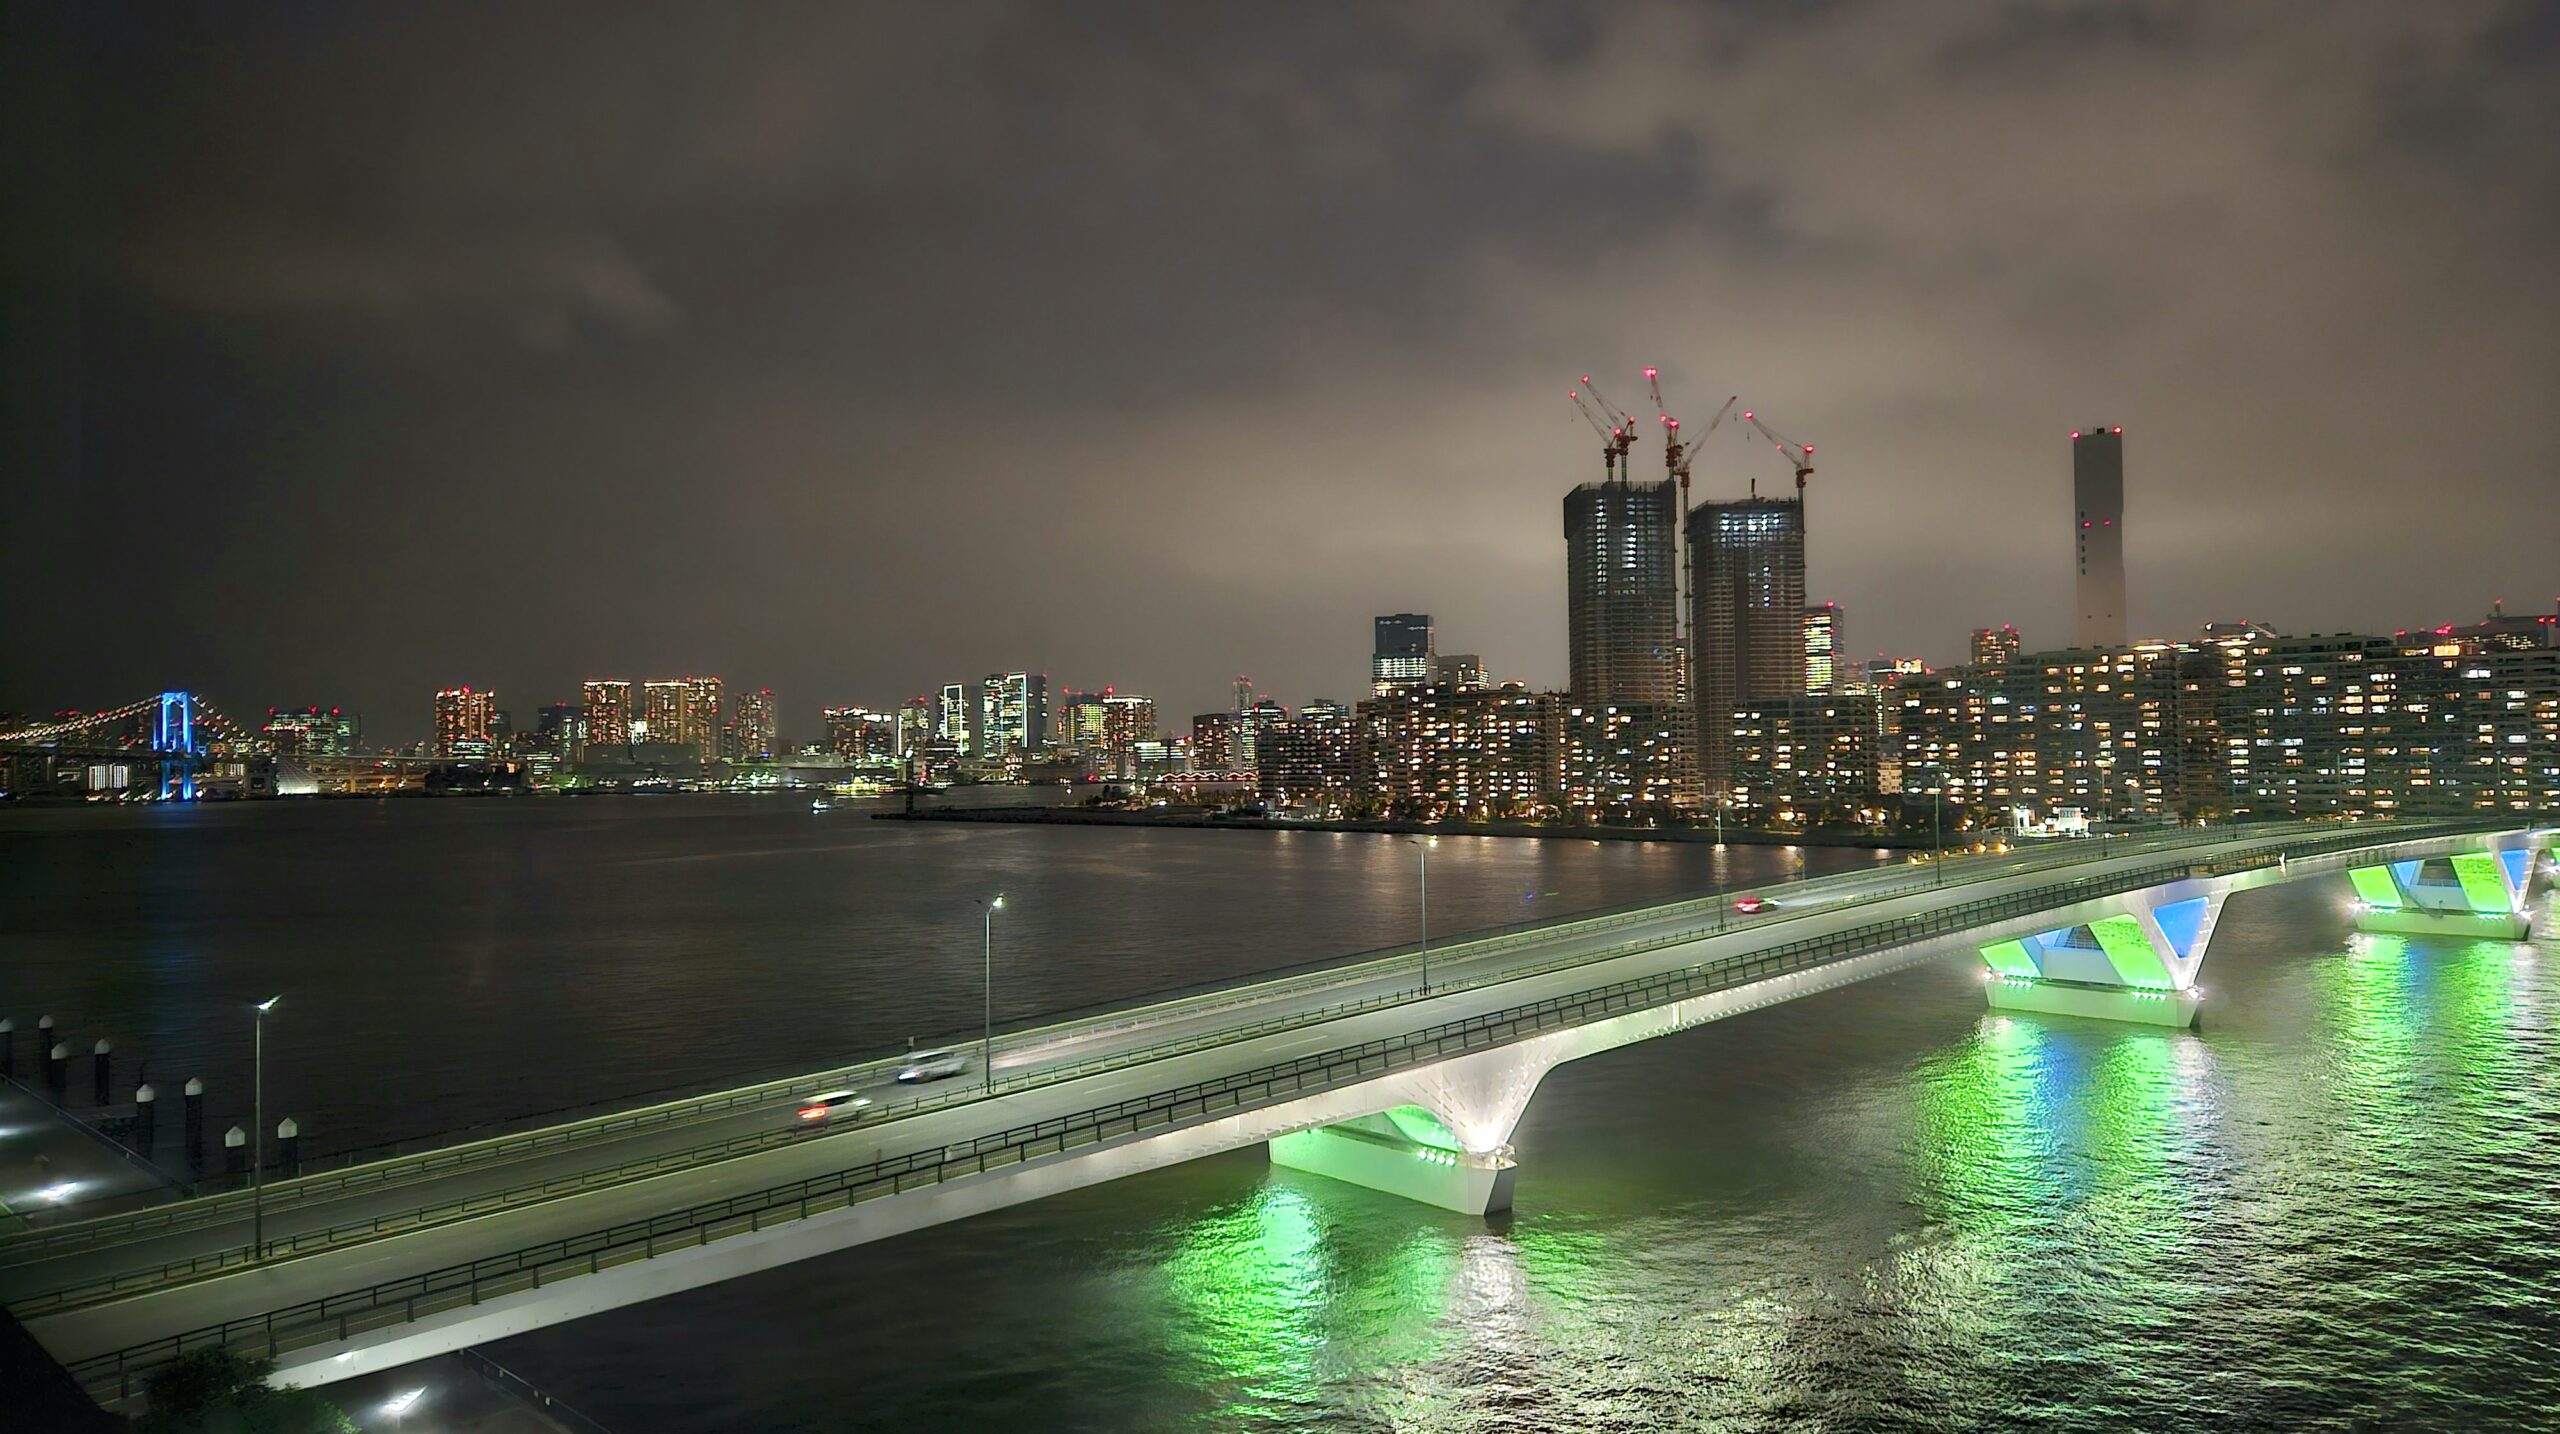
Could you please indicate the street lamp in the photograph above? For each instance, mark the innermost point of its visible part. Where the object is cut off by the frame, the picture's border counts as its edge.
(1938, 828)
(987, 960)
(258, 1143)
(1423, 845)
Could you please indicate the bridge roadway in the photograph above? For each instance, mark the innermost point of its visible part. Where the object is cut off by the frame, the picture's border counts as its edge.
(112, 1296)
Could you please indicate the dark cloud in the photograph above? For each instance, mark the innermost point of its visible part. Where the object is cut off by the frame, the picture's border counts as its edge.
(359, 350)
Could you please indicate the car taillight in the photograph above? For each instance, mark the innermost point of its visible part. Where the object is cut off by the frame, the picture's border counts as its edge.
(812, 1112)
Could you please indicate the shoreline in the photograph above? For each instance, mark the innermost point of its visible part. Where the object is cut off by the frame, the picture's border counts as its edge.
(1067, 816)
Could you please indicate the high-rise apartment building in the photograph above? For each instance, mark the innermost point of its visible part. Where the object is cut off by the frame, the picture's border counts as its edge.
(1436, 752)
(1822, 649)
(1746, 594)
(1994, 645)
(1803, 760)
(660, 715)
(1401, 656)
(2097, 494)
(753, 733)
(607, 715)
(1311, 760)
(1622, 762)
(701, 725)
(1213, 741)
(466, 722)
(1622, 592)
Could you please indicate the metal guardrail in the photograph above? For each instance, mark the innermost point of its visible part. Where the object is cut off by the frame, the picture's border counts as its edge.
(21, 1247)
(441, 1212)
(405, 1299)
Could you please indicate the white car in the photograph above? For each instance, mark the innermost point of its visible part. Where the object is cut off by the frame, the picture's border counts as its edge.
(932, 1065)
(819, 1109)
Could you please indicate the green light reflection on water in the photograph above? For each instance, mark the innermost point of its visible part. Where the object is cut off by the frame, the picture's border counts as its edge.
(2423, 1033)
(1275, 1312)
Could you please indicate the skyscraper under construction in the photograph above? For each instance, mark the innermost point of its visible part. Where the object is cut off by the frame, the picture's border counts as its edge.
(1746, 617)
(1622, 594)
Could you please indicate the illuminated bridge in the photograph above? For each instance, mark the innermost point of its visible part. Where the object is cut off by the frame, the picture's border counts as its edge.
(175, 746)
(161, 747)
(1354, 1072)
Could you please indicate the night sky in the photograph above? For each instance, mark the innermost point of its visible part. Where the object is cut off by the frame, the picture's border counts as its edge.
(354, 350)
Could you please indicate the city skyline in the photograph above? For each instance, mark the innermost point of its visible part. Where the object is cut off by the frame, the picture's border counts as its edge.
(444, 405)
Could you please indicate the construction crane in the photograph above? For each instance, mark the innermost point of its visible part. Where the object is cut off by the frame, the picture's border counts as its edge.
(1615, 438)
(1619, 418)
(1799, 456)
(1677, 452)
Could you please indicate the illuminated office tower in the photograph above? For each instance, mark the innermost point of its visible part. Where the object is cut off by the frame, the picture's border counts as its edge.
(1821, 649)
(954, 717)
(1622, 600)
(607, 715)
(1013, 714)
(465, 722)
(2097, 492)
(1746, 595)
(1402, 654)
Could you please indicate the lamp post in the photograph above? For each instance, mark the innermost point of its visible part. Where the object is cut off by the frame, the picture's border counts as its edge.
(1423, 845)
(1938, 828)
(258, 1141)
(987, 962)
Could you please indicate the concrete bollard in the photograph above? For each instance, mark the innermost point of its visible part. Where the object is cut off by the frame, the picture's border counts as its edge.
(191, 1102)
(146, 1115)
(8, 1049)
(288, 1148)
(98, 1058)
(235, 1152)
(57, 1062)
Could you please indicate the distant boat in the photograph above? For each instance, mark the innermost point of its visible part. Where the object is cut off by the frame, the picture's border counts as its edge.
(822, 804)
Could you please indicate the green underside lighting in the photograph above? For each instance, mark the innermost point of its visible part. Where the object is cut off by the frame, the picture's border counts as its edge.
(2482, 883)
(1423, 1128)
(2374, 887)
(2009, 958)
(2128, 949)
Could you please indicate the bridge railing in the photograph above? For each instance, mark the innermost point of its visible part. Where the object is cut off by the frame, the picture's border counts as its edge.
(487, 1202)
(401, 1300)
